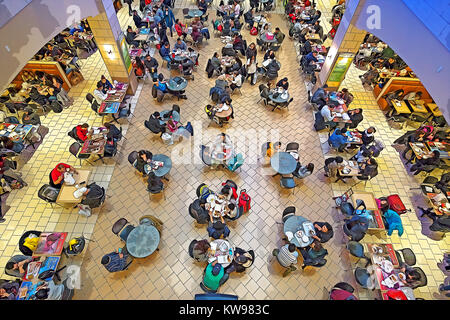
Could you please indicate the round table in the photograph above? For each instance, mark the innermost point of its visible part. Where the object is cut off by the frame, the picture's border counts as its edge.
(279, 99)
(161, 171)
(230, 253)
(179, 57)
(264, 38)
(194, 13)
(225, 113)
(172, 85)
(175, 116)
(143, 241)
(283, 163)
(293, 224)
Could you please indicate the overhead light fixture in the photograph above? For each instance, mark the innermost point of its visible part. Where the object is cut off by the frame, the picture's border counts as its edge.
(109, 51)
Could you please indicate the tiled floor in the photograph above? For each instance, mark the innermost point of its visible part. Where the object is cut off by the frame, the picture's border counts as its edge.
(170, 273)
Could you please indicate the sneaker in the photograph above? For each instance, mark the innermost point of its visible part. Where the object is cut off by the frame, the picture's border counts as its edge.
(2, 220)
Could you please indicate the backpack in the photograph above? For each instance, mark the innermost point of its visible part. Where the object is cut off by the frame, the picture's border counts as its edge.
(56, 106)
(154, 92)
(319, 122)
(376, 148)
(254, 31)
(244, 201)
(205, 192)
(95, 196)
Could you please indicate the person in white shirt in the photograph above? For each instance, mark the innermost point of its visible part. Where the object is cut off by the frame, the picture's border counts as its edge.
(237, 9)
(251, 70)
(99, 95)
(326, 113)
(237, 81)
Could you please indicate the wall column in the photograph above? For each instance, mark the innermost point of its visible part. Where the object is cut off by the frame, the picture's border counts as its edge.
(345, 45)
(112, 46)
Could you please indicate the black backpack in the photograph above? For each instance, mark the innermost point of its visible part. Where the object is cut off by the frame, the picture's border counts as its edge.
(95, 196)
(319, 122)
(56, 106)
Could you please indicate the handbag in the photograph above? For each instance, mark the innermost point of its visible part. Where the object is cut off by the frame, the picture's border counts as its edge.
(69, 179)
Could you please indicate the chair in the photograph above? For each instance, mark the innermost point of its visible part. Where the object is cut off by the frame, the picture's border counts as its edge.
(287, 213)
(423, 278)
(362, 277)
(25, 250)
(176, 108)
(191, 248)
(428, 185)
(185, 13)
(204, 155)
(283, 105)
(119, 225)
(125, 231)
(407, 256)
(357, 250)
(344, 286)
(292, 147)
(67, 292)
(287, 182)
(75, 148)
(75, 249)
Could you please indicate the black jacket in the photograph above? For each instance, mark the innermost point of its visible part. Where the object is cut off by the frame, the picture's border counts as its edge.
(152, 64)
(155, 185)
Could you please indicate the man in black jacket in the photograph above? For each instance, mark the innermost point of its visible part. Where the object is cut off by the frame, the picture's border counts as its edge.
(138, 21)
(152, 66)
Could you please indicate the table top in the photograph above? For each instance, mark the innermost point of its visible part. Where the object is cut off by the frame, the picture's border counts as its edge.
(379, 251)
(213, 255)
(280, 98)
(95, 145)
(161, 171)
(367, 197)
(356, 137)
(434, 109)
(47, 263)
(20, 130)
(224, 113)
(420, 149)
(143, 241)
(417, 106)
(172, 85)
(283, 163)
(352, 166)
(217, 205)
(436, 201)
(294, 224)
(400, 106)
(66, 193)
(175, 116)
(442, 147)
(119, 95)
(218, 154)
(264, 38)
(109, 107)
(194, 13)
(312, 36)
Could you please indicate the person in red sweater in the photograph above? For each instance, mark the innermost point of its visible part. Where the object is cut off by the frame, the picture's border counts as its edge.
(82, 131)
(57, 174)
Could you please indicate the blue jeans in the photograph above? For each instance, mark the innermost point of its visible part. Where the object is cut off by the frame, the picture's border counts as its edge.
(167, 58)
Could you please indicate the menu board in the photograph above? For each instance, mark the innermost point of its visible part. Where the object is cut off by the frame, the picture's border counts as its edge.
(339, 70)
(126, 55)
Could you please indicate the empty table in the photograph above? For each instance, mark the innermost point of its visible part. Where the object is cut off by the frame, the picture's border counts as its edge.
(161, 171)
(194, 13)
(143, 241)
(283, 163)
(294, 224)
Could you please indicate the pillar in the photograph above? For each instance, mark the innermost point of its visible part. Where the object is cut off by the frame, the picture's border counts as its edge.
(344, 47)
(112, 45)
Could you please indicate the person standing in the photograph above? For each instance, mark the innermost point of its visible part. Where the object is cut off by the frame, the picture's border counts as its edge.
(251, 69)
(170, 19)
(129, 2)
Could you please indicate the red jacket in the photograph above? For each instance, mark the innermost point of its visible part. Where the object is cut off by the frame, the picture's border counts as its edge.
(81, 133)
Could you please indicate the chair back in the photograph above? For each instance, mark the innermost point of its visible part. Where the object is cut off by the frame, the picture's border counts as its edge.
(423, 281)
(123, 235)
(292, 146)
(191, 248)
(287, 182)
(344, 286)
(362, 277)
(185, 11)
(90, 98)
(48, 193)
(119, 225)
(204, 155)
(408, 256)
(75, 148)
(356, 249)
(132, 157)
(176, 108)
(94, 106)
(287, 213)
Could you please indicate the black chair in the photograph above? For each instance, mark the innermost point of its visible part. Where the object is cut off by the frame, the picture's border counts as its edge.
(428, 185)
(407, 256)
(357, 250)
(25, 250)
(362, 277)
(176, 108)
(119, 225)
(75, 148)
(287, 213)
(292, 147)
(344, 286)
(423, 278)
(132, 157)
(191, 248)
(204, 155)
(73, 134)
(263, 94)
(48, 193)
(283, 105)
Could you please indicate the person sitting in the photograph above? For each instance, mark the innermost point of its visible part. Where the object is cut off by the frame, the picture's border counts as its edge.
(200, 251)
(217, 229)
(154, 124)
(412, 276)
(331, 165)
(9, 290)
(152, 66)
(241, 261)
(413, 96)
(99, 95)
(138, 20)
(356, 227)
(272, 69)
(154, 183)
(214, 276)
(310, 62)
(324, 231)
(31, 117)
(161, 85)
(180, 45)
(105, 84)
(248, 17)
(313, 254)
(367, 135)
(320, 97)
(165, 52)
(238, 44)
(326, 112)
(116, 261)
(215, 62)
(393, 222)
(338, 139)
(196, 34)
(49, 291)
(18, 266)
(139, 68)
(180, 29)
(283, 83)
(287, 257)
(130, 37)
(269, 55)
(57, 174)
(356, 117)
(368, 169)
(236, 82)
(82, 131)
(345, 95)
(279, 36)
(271, 148)
(303, 171)
(114, 133)
(8, 143)
(417, 136)
(426, 163)
(144, 157)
